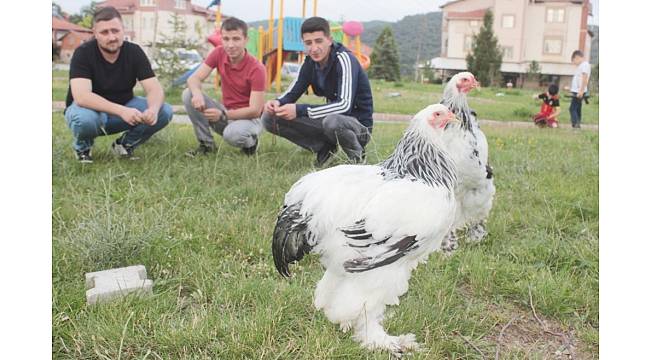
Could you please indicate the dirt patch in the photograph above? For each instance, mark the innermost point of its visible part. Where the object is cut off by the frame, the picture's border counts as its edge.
(523, 333)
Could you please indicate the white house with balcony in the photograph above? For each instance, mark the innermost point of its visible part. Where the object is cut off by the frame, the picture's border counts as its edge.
(546, 31)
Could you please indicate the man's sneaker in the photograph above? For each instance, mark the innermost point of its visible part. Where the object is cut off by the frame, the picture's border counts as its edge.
(250, 151)
(124, 152)
(203, 149)
(84, 157)
(359, 159)
(324, 154)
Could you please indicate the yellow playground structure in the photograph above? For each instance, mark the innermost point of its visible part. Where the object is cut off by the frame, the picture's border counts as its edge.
(281, 40)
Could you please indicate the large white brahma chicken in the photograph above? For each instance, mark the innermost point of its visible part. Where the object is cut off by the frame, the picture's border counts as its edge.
(468, 147)
(371, 225)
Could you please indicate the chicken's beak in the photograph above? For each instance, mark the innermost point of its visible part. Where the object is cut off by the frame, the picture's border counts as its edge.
(450, 119)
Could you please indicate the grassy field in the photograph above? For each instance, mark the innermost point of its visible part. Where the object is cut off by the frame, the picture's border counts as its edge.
(203, 228)
(511, 105)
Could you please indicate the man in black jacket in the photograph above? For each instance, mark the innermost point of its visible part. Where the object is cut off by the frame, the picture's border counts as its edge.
(334, 73)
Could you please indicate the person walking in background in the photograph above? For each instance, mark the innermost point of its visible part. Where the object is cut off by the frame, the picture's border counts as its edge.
(100, 99)
(243, 79)
(578, 87)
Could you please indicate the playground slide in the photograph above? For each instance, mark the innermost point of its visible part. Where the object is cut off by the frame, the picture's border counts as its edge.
(183, 78)
(364, 60)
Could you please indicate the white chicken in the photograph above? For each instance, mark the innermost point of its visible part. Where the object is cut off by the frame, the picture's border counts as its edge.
(468, 146)
(371, 226)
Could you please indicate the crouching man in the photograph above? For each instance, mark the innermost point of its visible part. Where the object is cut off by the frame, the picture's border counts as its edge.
(334, 73)
(100, 98)
(243, 79)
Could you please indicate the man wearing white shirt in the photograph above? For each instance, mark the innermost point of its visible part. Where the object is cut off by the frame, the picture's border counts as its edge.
(578, 87)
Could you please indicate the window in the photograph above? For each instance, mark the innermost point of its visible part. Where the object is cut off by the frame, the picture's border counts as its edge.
(473, 23)
(508, 21)
(180, 4)
(554, 15)
(507, 52)
(467, 46)
(146, 3)
(553, 46)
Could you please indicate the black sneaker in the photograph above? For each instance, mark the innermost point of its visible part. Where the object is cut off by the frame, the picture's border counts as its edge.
(203, 149)
(250, 151)
(124, 152)
(84, 157)
(324, 154)
(359, 159)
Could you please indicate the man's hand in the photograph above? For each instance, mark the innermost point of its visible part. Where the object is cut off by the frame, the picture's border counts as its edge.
(198, 102)
(271, 106)
(212, 114)
(580, 94)
(150, 117)
(131, 116)
(286, 111)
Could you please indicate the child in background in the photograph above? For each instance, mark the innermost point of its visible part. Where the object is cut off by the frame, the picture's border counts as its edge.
(547, 115)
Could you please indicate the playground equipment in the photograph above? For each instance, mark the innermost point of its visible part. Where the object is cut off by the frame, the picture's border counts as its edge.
(282, 40)
(354, 29)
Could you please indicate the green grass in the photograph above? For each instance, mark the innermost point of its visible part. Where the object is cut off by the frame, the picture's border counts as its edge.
(513, 105)
(203, 229)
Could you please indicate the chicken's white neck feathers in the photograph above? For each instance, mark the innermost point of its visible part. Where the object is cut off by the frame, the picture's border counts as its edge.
(419, 155)
(456, 101)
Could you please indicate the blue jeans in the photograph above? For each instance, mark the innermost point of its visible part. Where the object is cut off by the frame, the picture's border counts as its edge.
(87, 124)
(575, 110)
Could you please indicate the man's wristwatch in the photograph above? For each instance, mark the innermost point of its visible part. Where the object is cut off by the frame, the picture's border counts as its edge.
(223, 117)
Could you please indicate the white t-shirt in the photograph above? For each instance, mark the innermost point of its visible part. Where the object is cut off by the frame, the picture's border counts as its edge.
(583, 68)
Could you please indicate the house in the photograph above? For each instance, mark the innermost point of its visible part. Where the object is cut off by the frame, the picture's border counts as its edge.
(546, 31)
(68, 36)
(147, 22)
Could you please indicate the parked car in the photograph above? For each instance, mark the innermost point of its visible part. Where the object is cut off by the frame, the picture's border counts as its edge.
(290, 70)
(189, 59)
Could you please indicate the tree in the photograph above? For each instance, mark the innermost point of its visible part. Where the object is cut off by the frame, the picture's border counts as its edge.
(484, 60)
(167, 56)
(56, 10)
(534, 71)
(85, 16)
(593, 79)
(384, 59)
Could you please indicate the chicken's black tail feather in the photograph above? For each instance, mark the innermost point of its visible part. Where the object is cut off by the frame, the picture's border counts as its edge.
(291, 238)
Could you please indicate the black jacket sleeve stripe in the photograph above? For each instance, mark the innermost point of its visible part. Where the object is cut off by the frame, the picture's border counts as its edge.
(345, 91)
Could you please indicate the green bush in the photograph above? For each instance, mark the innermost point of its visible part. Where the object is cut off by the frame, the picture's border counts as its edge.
(523, 113)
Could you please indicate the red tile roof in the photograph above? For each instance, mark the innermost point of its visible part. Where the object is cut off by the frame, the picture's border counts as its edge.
(60, 24)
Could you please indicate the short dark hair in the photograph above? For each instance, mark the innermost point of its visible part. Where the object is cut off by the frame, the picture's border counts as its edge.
(106, 14)
(553, 89)
(314, 24)
(232, 23)
(577, 53)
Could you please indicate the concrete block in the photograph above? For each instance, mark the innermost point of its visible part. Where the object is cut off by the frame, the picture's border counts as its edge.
(109, 284)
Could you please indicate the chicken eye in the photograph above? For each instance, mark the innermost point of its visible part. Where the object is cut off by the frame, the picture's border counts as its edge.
(437, 114)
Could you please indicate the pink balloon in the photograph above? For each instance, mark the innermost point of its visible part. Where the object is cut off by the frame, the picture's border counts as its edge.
(215, 38)
(352, 28)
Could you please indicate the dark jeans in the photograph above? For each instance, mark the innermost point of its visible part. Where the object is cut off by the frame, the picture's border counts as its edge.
(316, 134)
(575, 110)
(87, 124)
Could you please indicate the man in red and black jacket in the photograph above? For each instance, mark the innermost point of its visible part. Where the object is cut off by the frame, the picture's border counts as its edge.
(334, 73)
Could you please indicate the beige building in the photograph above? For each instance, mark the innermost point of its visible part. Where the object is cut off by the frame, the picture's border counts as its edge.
(546, 31)
(149, 21)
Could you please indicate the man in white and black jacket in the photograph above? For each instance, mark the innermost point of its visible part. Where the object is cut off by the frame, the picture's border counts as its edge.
(334, 73)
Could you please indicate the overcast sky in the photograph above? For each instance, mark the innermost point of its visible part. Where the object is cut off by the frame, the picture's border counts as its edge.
(362, 10)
